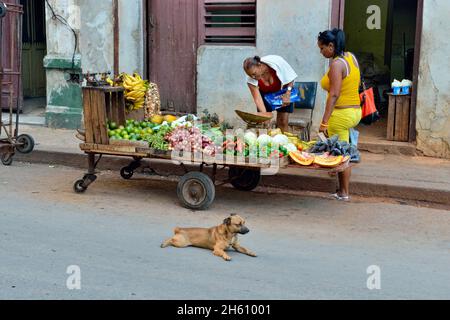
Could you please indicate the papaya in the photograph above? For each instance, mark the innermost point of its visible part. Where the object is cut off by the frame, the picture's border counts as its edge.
(170, 118)
(302, 158)
(328, 162)
(157, 119)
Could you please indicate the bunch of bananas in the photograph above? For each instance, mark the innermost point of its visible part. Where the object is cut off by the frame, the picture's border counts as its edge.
(135, 90)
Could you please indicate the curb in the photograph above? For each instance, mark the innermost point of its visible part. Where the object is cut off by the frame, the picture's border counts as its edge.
(280, 181)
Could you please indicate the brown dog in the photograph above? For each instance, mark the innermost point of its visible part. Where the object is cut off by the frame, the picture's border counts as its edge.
(218, 239)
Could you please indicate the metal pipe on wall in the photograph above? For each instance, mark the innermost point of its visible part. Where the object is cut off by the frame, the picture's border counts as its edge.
(116, 37)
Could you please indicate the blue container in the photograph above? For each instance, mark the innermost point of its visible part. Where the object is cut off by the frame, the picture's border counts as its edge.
(397, 90)
(406, 90)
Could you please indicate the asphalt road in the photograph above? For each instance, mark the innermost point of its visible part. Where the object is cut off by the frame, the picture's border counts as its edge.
(308, 247)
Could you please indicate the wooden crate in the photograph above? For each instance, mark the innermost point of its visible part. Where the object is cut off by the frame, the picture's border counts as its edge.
(399, 117)
(100, 105)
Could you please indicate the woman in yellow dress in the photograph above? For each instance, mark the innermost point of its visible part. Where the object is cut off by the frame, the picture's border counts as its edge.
(342, 81)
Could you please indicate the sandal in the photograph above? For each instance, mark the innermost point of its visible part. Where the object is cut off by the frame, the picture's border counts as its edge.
(340, 198)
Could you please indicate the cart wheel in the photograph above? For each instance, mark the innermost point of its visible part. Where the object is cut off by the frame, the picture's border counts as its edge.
(79, 186)
(196, 191)
(26, 144)
(7, 159)
(126, 173)
(244, 179)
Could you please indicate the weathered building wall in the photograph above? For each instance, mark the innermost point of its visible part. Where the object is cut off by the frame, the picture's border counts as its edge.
(221, 84)
(64, 107)
(433, 105)
(131, 36)
(96, 36)
(289, 30)
(93, 23)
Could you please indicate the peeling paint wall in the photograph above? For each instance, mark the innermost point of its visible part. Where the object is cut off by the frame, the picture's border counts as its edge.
(60, 38)
(433, 105)
(289, 30)
(96, 36)
(131, 36)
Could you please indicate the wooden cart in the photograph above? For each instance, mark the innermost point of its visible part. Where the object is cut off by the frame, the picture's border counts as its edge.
(196, 189)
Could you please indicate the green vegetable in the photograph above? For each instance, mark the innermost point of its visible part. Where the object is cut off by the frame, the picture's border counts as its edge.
(158, 140)
(284, 150)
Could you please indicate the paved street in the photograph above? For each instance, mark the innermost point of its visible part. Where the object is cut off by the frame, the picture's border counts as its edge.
(308, 247)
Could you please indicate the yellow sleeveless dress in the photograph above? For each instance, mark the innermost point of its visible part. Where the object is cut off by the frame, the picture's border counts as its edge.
(342, 120)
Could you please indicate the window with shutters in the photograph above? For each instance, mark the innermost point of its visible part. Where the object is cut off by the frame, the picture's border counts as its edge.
(231, 22)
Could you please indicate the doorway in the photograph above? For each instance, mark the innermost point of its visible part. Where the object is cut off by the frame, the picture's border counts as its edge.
(172, 28)
(383, 35)
(34, 49)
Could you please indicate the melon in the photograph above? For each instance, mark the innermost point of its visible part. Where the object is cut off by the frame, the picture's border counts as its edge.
(303, 159)
(328, 162)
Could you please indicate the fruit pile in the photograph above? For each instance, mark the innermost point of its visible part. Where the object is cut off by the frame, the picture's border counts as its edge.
(139, 130)
(132, 131)
(330, 153)
(325, 160)
(135, 90)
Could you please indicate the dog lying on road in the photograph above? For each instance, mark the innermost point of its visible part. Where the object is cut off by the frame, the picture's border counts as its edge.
(218, 239)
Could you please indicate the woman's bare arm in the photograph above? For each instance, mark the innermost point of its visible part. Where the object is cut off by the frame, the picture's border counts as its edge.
(257, 98)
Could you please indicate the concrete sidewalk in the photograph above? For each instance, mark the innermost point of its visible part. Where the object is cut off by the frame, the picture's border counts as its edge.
(379, 175)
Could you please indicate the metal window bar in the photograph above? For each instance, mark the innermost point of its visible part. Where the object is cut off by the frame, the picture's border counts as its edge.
(229, 22)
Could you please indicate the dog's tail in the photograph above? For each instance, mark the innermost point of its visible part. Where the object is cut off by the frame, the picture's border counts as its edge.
(166, 243)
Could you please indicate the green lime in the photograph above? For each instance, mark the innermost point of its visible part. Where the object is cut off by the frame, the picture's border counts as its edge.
(121, 127)
(111, 133)
(126, 137)
(113, 126)
(130, 129)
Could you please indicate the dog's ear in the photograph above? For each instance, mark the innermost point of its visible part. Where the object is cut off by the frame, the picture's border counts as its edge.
(233, 214)
(227, 221)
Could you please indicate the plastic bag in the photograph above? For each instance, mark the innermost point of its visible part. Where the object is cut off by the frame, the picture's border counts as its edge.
(276, 101)
(354, 137)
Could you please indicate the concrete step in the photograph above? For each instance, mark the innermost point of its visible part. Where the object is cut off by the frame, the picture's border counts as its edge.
(388, 147)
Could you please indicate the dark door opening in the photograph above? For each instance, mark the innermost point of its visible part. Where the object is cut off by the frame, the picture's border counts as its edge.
(382, 34)
(34, 49)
